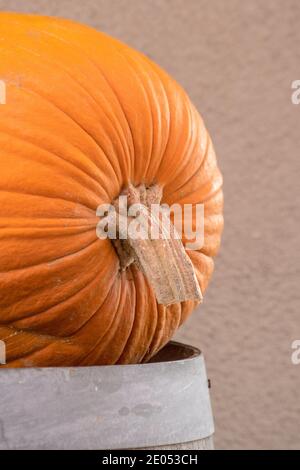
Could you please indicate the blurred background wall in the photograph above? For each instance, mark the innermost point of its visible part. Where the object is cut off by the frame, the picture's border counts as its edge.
(237, 61)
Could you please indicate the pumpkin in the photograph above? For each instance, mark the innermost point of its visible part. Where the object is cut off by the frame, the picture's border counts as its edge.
(86, 119)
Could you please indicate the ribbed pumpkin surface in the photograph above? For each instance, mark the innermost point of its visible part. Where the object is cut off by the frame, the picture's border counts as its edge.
(85, 116)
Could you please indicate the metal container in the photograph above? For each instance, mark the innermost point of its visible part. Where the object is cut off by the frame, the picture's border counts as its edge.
(162, 404)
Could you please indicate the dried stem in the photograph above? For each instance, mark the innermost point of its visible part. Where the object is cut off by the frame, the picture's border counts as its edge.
(162, 258)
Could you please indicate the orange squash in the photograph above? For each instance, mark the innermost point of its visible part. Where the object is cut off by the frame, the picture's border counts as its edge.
(87, 118)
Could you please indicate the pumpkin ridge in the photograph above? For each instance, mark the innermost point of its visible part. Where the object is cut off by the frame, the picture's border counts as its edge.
(50, 261)
(98, 309)
(123, 358)
(153, 67)
(133, 286)
(61, 303)
(53, 155)
(100, 70)
(32, 332)
(204, 156)
(78, 125)
(158, 338)
(79, 84)
(30, 221)
(103, 334)
(26, 193)
(188, 150)
(143, 88)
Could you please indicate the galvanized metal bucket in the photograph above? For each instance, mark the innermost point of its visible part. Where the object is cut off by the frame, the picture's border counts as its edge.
(162, 404)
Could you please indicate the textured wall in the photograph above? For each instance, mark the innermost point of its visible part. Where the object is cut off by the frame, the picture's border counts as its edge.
(237, 60)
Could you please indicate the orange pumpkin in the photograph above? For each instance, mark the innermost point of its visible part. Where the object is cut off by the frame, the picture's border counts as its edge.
(87, 118)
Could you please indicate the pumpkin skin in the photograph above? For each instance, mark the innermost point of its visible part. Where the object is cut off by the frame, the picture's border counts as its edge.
(85, 116)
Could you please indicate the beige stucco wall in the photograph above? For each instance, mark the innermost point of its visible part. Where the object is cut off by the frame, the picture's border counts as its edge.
(237, 60)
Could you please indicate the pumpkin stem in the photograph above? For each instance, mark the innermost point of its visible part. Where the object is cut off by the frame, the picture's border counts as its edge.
(151, 241)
